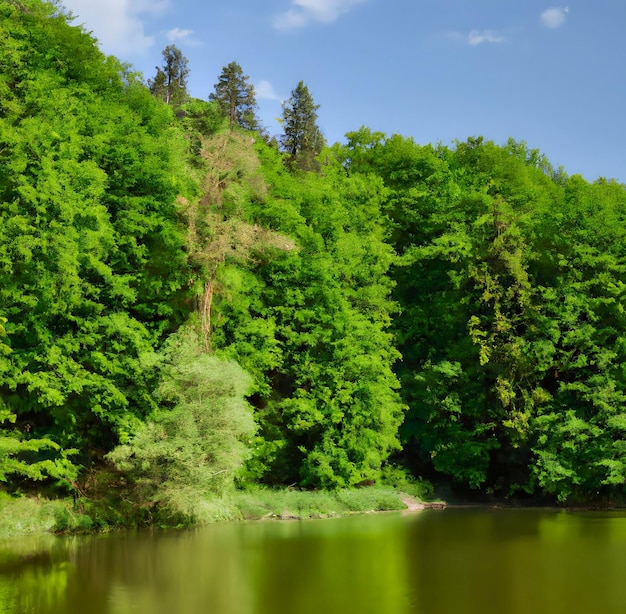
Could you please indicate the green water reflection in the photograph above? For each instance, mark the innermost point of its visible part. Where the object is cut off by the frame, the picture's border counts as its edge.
(455, 560)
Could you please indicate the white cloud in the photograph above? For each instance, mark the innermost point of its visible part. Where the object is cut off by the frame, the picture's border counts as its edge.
(265, 91)
(304, 12)
(474, 38)
(176, 34)
(478, 37)
(554, 17)
(119, 25)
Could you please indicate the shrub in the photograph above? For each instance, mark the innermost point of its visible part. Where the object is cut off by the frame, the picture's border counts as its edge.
(192, 447)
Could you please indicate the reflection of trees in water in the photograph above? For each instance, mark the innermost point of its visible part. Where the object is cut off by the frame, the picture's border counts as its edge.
(169, 572)
(480, 561)
(34, 574)
(456, 560)
(337, 565)
(35, 585)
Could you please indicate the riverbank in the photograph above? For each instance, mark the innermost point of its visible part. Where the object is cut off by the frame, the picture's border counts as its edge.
(298, 505)
(37, 515)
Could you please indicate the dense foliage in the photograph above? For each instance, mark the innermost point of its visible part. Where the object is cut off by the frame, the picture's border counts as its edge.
(185, 306)
(310, 323)
(510, 279)
(193, 445)
(92, 268)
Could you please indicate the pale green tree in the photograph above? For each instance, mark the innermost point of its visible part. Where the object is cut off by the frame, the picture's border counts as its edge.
(197, 439)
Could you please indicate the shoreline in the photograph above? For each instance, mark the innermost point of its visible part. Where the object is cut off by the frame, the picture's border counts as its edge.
(25, 516)
(36, 516)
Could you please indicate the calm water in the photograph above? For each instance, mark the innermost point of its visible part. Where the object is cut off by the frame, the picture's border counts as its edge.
(445, 561)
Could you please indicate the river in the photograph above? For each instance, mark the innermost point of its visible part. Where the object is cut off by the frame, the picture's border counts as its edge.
(457, 560)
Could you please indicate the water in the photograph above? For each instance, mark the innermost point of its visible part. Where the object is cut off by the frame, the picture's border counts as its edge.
(445, 561)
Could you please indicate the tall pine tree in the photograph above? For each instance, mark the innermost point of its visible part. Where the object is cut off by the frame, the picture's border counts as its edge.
(236, 97)
(302, 139)
(170, 82)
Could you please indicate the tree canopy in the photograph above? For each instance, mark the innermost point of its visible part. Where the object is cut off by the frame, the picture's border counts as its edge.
(509, 278)
(93, 272)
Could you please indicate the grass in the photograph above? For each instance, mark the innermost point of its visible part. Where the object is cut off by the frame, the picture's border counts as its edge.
(286, 503)
(35, 515)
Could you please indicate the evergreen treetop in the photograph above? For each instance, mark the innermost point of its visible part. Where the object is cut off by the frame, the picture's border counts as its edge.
(170, 81)
(302, 140)
(236, 97)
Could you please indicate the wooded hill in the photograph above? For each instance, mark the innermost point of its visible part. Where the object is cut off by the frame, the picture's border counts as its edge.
(186, 304)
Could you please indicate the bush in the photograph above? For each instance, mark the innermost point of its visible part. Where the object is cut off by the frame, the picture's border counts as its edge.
(192, 447)
(401, 479)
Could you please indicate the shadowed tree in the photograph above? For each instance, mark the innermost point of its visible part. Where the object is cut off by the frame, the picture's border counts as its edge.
(236, 97)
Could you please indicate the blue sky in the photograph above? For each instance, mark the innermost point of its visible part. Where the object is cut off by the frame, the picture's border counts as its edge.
(435, 70)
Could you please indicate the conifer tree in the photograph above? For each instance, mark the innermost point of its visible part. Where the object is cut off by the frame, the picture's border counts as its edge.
(302, 139)
(170, 81)
(236, 97)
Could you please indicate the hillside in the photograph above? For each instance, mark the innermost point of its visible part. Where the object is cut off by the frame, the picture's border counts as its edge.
(186, 307)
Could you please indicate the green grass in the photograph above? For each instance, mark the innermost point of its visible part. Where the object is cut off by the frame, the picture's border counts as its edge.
(34, 515)
(285, 503)
(264, 502)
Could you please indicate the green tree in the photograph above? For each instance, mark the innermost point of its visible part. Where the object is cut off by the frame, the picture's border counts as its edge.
(302, 140)
(236, 97)
(510, 280)
(459, 223)
(170, 81)
(193, 445)
(580, 439)
(15, 449)
(92, 269)
(310, 324)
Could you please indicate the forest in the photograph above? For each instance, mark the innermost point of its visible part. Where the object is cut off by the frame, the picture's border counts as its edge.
(189, 304)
